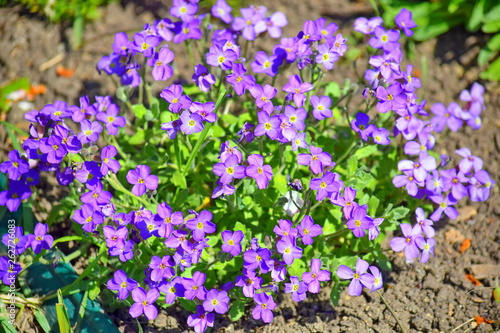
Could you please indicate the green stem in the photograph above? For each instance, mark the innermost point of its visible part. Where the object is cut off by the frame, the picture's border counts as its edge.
(391, 311)
(346, 154)
(203, 136)
(115, 183)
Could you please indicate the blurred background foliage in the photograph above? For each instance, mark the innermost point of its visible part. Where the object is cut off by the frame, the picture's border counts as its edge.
(435, 18)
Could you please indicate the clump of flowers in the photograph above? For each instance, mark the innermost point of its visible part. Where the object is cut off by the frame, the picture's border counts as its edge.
(234, 189)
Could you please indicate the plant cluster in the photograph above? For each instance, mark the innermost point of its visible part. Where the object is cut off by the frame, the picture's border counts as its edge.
(437, 18)
(231, 189)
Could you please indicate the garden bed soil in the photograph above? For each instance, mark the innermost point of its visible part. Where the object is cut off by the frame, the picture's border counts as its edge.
(431, 297)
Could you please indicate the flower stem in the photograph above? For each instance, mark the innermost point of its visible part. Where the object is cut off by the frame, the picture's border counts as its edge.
(391, 311)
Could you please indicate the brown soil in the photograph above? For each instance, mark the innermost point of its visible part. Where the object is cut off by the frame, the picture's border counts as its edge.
(432, 297)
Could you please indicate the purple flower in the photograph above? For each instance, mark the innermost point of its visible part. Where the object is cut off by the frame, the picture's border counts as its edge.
(427, 247)
(246, 133)
(480, 186)
(16, 240)
(420, 169)
(263, 96)
(321, 107)
(8, 270)
(239, 80)
(258, 171)
(201, 319)
(88, 217)
(377, 275)
(201, 225)
(218, 57)
(309, 33)
(272, 24)
(188, 30)
(409, 181)
(407, 243)
(315, 276)
(161, 70)
(386, 40)
(262, 310)
(307, 229)
(89, 174)
(266, 64)
(317, 160)
(144, 303)
(360, 125)
(125, 253)
(268, 125)
(97, 197)
(142, 180)
(325, 186)
(247, 22)
(108, 163)
(222, 189)
(164, 220)
(390, 98)
(57, 111)
(216, 301)
(229, 169)
(89, 131)
(115, 237)
(359, 279)
(297, 288)
(191, 122)
(380, 135)
(172, 289)
(202, 78)
(174, 96)
(54, 148)
(257, 259)
(145, 44)
(388, 67)
(249, 282)
(297, 89)
(122, 283)
(16, 166)
(475, 102)
(41, 240)
(232, 242)
(446, 117)
(289, 250)
(469, 161)
(194, 286)
(455, 181)
(359, 221)
(223, 11)
(366, 26)
(444, 205)
(226, 150)
(184, 10)
(403, 20)
(111, 119)
(285, 230)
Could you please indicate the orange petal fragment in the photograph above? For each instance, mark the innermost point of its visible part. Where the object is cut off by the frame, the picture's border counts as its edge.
(64, 72)
(472, 279)
(482, 320)
(465, 245)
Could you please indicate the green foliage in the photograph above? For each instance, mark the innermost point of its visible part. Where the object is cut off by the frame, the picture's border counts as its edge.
(436, 18)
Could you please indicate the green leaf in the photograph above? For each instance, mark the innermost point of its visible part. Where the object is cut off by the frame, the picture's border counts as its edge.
(332, 90)
(263, 200)
(352, 165)
(138, 138)
(62, 314)
(335, 294)
(187, 304)
(280, 183)
(476, 16)
(155, 107)
(240, 226)
(139, 110)
(121, 94)
(7, 327)
(178, 179)
(491, 27)
(365, 151)
(373, 205)
(493, 72)
(397, 214)
(151, 152)
(237, 310)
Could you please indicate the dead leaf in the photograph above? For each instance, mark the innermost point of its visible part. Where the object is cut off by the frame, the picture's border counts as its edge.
(477, 300)
(64, 72)
(466, 213)
(453, 235)
(482, 320)
(483, 271)
(465, 245)
(472, 279)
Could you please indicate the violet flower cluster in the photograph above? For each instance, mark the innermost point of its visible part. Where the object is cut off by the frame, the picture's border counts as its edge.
(393, 89)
